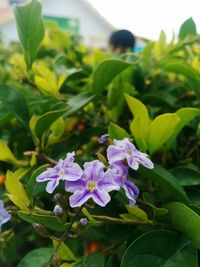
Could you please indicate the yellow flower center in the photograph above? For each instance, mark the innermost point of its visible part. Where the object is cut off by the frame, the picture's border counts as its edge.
(91, 186)
(61, 173)
(129, 152)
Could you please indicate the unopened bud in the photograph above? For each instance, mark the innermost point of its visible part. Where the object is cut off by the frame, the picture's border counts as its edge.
(40, 229)
(103, 138)
(58, 210)
(83, 222)
(57, 197)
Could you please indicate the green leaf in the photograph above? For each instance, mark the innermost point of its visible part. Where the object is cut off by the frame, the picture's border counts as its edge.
(94, 260)
(30, 29)
(186, 115)
(44, 121)
(167, 181)
(116, 132)
(161, 129)
(141, 123)
(33, 177)
(187, 28)
(36, 258)
(161, 248)
(64, 252)
(48, 221)
(105, 72)
(6, 155)
(181, 67)
(17, 193)
(186, 220)
(136, 128)
(136, 214)
(78, 102)
(15, 102)
(187, 176)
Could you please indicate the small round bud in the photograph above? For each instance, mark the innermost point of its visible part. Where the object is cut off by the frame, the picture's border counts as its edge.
(57, 197)
(83, 222)
(103, 138)
(58, 210)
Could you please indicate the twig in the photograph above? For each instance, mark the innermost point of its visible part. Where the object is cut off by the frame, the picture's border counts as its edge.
(41, 156)
(63, 237)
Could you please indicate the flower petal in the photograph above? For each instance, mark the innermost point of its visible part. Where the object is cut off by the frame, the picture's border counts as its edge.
(47, 175)
(131, 190)
(115, 154)
(145, 161)
(108, 183)
(94, 170)
(79, 198)
(101, 197)
(72, 186)
(51, 185)
(69, 160)
(73, 173)
(133, 162)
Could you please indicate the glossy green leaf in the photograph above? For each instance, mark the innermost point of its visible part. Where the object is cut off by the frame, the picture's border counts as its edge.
(167, 181)
(161, 248)
(187, 176)
(17, 193)
(116, 132)
(64, 252)
(135, 214)
(15, 102)
(30, 29)
(45, 121)
(48, 221)
(161, 129)
(36, 258)
(105, 72)
(187, 28)
(32, 179)
(93, 260)
(77, 102)
(6, 155)
(186, 220)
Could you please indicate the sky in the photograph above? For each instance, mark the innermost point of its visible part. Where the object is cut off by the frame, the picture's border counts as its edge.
(146, 18)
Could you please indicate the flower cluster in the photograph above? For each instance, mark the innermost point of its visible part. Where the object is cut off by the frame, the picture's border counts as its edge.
(94, 182)
(4, 215)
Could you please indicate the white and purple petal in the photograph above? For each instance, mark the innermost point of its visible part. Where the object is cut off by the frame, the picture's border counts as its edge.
(72, 186)
(79, 198)
(108, 183)
(115, 154)
(72, 173)
(100, 197)
(93, 170)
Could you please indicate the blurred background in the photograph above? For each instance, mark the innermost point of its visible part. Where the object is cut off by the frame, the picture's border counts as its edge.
(94, 20)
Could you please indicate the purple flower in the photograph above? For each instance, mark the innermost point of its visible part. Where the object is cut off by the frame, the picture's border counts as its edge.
(4, 215)
(94, 183)
(120, 174)
(64, 170)
(103, 138)
(125, 150)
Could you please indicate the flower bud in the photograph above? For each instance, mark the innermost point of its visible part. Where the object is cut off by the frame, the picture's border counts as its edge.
(83, 222)
(57, 197)
(58, 210)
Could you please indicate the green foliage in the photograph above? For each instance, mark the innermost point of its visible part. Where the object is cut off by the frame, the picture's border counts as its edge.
(186, 220)
(187, 28)
(30, 29)
(161, 248)
(58, 96)
(36, 257)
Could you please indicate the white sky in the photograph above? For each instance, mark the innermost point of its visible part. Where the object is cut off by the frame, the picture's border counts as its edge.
(147, 18)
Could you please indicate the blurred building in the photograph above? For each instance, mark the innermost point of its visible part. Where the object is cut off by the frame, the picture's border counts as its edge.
(77, 16)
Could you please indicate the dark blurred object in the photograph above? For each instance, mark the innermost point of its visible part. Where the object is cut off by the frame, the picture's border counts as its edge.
(12, 2)
(122, 40)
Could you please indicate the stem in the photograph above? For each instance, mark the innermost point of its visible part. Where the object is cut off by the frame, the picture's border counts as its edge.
(41, 156)
(63, 237)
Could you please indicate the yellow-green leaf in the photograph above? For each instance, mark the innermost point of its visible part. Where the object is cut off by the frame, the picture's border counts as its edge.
(17, 193)
(137, 108)
(7, 156)
(161, 129)
(138, 133)
(64, 252)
